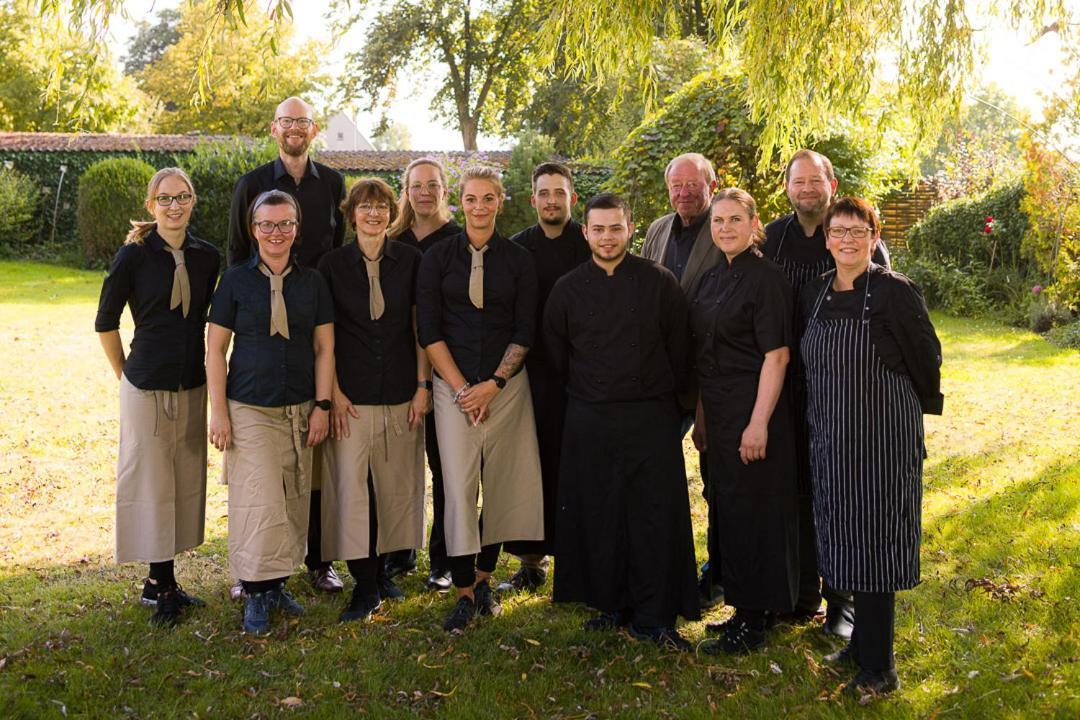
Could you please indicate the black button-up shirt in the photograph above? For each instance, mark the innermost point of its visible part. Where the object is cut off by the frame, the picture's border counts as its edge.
(320, 193)
(448, 230)
(376, 359)
(618, 338)
(167, 350)
(265, 370)
(553, 258)
(681, 243)
(741, 311)
(477, 338)
(900, 327)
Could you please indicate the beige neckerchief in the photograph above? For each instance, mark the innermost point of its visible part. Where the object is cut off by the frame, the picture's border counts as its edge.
(279, 316)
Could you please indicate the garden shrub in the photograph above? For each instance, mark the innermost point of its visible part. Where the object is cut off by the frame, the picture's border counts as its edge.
(111, 193)
(531, 150)
(20, 210)
(1045, 313)
(1067, 336)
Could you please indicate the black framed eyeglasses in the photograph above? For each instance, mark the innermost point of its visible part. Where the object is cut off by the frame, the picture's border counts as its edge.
(288, 123)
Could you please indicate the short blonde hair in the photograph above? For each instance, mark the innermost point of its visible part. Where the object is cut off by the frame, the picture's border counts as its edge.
(481, 172)
(748, 203)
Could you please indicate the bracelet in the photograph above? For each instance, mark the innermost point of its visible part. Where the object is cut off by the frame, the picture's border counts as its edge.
(459, 393)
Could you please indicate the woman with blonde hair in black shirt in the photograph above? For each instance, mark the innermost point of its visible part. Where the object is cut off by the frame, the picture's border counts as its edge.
(166, 277)
(476, 312)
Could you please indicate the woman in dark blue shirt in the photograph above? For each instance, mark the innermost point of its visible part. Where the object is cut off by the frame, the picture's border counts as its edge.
(274, 405)
(166, 277)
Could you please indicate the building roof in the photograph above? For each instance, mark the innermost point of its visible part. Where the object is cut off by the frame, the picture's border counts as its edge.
(384, 160)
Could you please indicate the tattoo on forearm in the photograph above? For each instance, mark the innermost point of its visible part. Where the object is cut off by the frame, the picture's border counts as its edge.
(511, 360)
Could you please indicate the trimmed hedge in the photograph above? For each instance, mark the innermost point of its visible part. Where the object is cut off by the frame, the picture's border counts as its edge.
(20, 211)
(214, 169)
(111, 193)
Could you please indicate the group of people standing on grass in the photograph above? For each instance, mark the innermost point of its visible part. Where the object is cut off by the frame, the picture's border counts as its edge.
(563, 373)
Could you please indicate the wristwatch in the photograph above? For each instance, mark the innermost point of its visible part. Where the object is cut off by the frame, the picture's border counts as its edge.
(426, 384)
(323, 405)
(500, 382)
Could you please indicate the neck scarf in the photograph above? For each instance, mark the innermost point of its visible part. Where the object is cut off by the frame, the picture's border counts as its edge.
(279, 317)
(476, 276)
(181, 286)
(376, 303)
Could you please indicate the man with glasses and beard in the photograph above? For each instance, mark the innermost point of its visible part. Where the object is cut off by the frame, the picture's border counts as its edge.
(319, 190)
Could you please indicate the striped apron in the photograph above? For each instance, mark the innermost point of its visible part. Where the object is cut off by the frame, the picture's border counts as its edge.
(866, 453)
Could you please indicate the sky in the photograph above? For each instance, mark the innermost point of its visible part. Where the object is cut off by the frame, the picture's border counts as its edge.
(1027, 71)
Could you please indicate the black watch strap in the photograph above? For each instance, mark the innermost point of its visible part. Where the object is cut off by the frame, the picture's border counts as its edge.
(323, 405)
(426, 384)
(500, 382)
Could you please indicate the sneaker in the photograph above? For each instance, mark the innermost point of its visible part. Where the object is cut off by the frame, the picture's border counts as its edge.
(526, 579)
(360, 607)
(150, 596)
(839, 619)
(168, 608)
(326, 580)
(738, 637)
(257, 613)
(461, 615)
(237, 592)
(844, 656)
(665, 637)
(607, 621)
(388, 590)
(286, 603)
(873, 682)
(439, 580)
(487, 602)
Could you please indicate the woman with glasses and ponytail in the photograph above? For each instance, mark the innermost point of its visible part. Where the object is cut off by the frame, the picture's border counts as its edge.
(165, 276)
(873, 368)
(269, 403)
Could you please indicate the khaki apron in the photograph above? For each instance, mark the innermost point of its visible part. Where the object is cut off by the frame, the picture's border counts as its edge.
(268, 471)
(513, 500)
(160, 473)
(381, 442)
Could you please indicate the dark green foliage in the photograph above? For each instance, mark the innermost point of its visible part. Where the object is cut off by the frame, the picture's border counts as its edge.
(111, 193)
(1067, 336)
(531, 150)
(20, 211)
(151, 41)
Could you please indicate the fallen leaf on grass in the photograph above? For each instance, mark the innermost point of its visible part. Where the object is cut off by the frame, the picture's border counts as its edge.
(643, 685)
(439, 693)
(291, 701)
(774, 668)
(535, 643)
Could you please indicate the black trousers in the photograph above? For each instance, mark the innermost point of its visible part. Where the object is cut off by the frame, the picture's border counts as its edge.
(875, 627)
(463, 567)
(437, 541)
(313, 560)
(367, 571)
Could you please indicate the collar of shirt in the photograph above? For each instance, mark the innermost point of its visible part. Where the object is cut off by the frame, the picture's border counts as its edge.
(622, 268)
(795, 228)
(492, 244)
(253, 262)
(280, 171)
(741, 260)
(154, 241)
(356, 255)
(538, 234)
(695, 224)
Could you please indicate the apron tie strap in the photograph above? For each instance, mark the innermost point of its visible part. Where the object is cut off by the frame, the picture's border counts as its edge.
(298, 420)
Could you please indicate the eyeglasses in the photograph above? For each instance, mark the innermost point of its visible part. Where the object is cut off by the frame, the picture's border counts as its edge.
(287, 122)
(691, 186)
(285, 227)
(369, 209)
(432, 187)
(166, 200)
(857, 233)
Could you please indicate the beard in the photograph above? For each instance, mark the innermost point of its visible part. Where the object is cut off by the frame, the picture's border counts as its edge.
(811, 207)
(294, 150)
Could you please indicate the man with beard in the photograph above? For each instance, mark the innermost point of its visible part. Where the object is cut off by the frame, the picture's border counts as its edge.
(617, 328)
(558, 246)
(796, 243)
(682, 242)
(319, 190)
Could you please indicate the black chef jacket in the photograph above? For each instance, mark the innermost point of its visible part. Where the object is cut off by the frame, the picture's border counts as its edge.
(784, 239)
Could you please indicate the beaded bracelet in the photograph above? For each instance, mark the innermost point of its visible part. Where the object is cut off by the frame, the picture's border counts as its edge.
(459, 393)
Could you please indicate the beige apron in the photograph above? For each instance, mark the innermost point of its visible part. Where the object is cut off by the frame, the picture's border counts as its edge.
(380, 441)
(268, 471)
(161, 473)
(506, 442)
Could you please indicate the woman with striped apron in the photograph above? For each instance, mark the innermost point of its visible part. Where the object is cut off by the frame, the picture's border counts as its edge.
(872, 364)
(273, 406)
(166, 277)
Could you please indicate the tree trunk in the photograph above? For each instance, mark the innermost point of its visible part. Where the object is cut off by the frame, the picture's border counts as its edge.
(468, 134)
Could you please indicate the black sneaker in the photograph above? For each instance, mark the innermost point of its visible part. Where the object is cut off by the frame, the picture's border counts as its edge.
(388, 590)
(873, 682)
(665, 637)
(461, 615)
(168, 608)
(150, 596)
(360, 607)
(739, 637)
(400, 562)
(607, 621)
(526, 579)
(486, 601)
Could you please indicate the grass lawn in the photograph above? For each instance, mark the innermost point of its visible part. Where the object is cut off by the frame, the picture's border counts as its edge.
(991, 632)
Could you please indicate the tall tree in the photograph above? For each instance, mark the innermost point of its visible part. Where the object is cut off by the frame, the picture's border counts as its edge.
(242, 86)
(151, 41)
(480, 46)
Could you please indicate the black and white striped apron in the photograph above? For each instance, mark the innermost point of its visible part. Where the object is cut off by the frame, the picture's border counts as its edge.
(798, 274)
(866, 453)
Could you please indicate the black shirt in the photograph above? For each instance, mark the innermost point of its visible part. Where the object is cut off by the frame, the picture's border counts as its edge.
(320, 193)
(900, 326)
(477, 338)
(168, 350)
(553, 257)
(265, 370)
(376, 359)
(408, 237)
(681, 243)
(741, 311)
(618, 338)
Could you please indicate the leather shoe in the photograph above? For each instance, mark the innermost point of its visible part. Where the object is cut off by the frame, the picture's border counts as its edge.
(840, 619)
(607, 621)
(400, 563)
(665, 637)
(439, 580)
(873, 682)
(843, 656)
(326, 580)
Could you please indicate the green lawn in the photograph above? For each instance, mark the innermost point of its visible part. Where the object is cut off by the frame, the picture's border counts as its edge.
(991, 632)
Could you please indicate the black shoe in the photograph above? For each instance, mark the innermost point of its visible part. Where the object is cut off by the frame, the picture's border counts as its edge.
(486, 601)
(168, 608)
(388, 590)
(844, 656)
(607, 621)
(360, 606)
(709, 594)
(527, 579)
(439, 580)
(281, 599)
(665, 637)
(461, 615)
(400, 563)
(150, 596)
(739, 636)
(840, 619)
(799, 616)
(873, 682)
